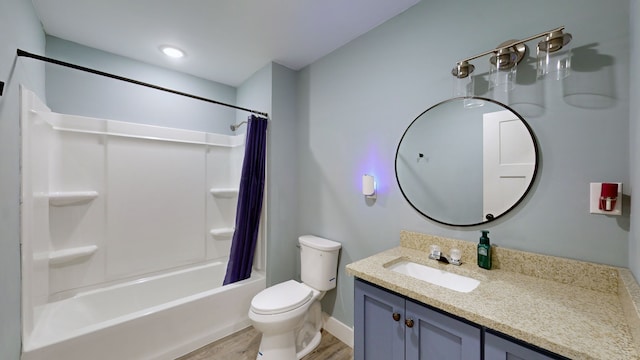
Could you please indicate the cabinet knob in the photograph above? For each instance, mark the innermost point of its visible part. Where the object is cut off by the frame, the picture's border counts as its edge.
(409, 322)
(396, 316)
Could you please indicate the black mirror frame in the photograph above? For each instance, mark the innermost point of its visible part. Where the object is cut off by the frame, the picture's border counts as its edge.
(493, 218)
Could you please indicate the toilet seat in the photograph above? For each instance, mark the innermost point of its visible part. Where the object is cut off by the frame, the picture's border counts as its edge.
(280, 298)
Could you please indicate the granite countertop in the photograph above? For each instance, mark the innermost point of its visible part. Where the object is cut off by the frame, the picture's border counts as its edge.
(576, 309)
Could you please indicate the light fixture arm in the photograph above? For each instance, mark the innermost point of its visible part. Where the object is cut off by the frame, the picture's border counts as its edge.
(510, 44)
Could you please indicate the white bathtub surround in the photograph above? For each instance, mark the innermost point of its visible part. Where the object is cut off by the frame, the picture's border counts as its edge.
(160, 317)
(63, 257)
(106, 207)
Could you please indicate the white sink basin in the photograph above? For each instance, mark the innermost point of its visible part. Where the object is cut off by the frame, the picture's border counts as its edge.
(434, 276)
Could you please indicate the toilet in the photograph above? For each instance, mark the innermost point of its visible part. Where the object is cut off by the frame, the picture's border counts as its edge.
(289, 314)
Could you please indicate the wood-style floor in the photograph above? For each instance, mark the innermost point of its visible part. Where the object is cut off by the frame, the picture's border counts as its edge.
(244, 344)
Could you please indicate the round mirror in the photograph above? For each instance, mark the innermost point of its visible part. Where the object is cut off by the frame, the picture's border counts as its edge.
(466, 161)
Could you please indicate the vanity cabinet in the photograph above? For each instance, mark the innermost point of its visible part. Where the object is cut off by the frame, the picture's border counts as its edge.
(391, 327)
(497, 347)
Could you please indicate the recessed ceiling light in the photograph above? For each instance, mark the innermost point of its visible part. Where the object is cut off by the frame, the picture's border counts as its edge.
(172, 52)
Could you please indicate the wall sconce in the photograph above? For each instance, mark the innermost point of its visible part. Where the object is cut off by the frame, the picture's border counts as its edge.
(462, 82)
(368, 186)
(502, 65)
(553, 56)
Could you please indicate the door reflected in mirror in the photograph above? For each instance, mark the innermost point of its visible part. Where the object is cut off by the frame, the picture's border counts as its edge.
(466, 161)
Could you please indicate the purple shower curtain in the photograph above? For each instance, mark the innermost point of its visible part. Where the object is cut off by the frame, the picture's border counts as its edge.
(249, 207)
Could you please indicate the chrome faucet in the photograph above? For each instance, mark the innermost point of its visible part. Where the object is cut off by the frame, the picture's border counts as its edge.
(453, 259)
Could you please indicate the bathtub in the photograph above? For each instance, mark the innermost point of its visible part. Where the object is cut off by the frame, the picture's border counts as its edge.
(157, 317)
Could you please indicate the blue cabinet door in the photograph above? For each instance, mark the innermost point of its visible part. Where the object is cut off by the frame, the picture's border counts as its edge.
(378, 324)
(436, 336)
(496, 347)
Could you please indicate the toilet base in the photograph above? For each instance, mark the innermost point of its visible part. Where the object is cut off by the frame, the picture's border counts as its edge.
(282, 347)
(277, 347)
(311, 346)
(277, 343)
(308, 335)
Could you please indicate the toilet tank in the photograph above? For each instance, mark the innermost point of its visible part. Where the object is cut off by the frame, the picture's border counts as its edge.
(318, 262)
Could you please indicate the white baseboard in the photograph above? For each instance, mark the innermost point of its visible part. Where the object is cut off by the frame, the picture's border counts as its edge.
(338, 329)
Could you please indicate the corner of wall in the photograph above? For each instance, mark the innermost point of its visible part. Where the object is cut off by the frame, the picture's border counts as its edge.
(20, 29)
(634, 141)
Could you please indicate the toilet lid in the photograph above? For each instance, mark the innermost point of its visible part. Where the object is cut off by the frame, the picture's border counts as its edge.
(281, 298)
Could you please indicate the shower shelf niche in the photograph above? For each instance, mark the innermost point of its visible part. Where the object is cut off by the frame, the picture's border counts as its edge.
(64, 198)
(66, 256)
(222, 232)
(224, 192)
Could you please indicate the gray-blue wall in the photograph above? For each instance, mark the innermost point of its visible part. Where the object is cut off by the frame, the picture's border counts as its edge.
(634, 149)
(282, 183)
(273, 89)
(75, 92)
(20, 29)
(356, 102)
(343, 116)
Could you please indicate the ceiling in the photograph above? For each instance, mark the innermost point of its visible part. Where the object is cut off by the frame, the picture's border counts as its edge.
(225, 40)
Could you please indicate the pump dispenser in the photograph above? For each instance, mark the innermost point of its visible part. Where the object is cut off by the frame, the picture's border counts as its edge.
(484, 251)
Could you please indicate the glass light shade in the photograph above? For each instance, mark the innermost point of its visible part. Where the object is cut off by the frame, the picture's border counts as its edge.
(502, 70)
(527, 97)
(463, 87)
(554, 57)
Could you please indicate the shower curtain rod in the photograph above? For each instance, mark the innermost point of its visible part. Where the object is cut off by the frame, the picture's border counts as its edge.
(112, 76)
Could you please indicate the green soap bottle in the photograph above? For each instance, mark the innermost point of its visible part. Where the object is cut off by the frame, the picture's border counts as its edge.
(484, 251)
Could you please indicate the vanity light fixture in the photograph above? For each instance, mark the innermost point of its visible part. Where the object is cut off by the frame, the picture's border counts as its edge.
(172, 51)
(553, 56)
